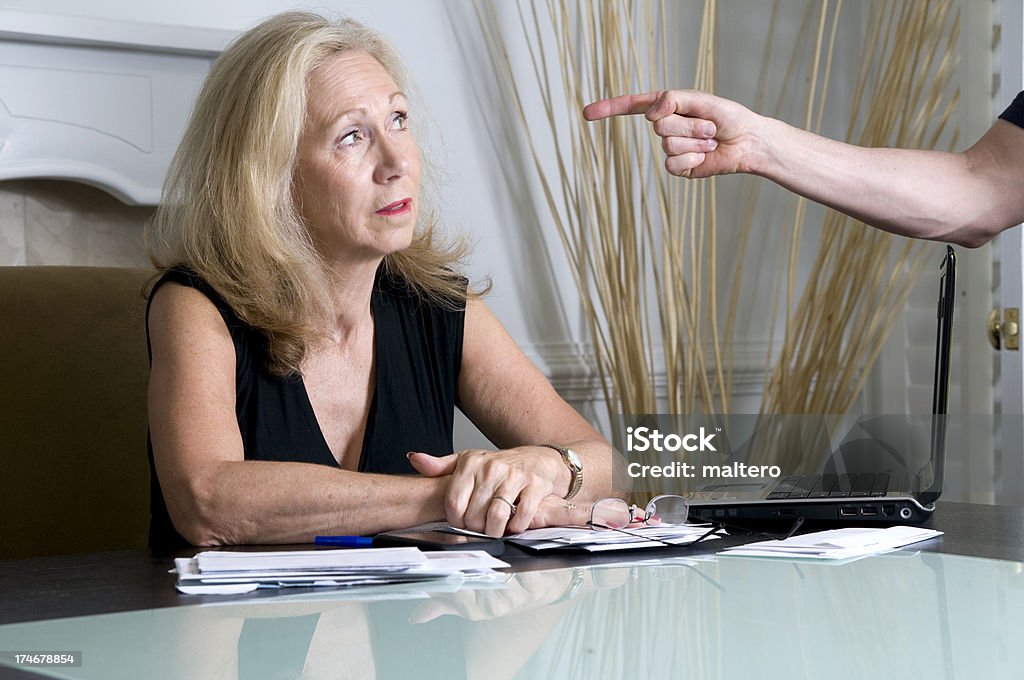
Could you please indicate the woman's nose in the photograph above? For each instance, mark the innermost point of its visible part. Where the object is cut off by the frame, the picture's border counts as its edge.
(394, 159)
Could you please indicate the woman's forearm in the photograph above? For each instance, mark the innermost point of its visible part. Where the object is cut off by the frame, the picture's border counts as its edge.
(260, 502)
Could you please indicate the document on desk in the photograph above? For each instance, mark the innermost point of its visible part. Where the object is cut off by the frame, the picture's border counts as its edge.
(591, 540)
(837, 544)
(228, 572)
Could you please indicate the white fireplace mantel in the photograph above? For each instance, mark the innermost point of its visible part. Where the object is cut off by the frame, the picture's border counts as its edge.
(98, 101)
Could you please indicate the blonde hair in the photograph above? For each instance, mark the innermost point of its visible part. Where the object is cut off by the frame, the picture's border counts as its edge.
(228, 211)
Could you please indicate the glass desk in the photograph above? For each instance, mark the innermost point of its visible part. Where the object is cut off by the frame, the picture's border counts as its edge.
(905, 614)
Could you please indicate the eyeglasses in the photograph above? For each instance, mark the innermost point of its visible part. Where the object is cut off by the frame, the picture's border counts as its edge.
(615, 513)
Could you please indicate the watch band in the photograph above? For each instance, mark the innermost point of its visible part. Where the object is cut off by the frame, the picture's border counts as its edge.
(575, 465)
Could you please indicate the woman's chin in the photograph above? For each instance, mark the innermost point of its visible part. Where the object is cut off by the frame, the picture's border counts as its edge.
(401, 240)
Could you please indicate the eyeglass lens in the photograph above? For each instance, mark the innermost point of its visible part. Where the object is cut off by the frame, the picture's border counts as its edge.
(615, 513)
(667, 509)
(611, 513)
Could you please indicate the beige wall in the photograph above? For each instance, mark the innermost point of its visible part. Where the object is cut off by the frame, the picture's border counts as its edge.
(49, 222)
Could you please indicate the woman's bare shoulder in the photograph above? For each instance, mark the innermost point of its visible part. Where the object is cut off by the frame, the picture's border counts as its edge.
(185, 317)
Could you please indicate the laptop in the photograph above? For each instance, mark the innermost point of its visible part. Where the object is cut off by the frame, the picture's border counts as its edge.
(888, 469)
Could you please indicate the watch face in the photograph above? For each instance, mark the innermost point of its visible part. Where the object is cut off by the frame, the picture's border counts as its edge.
(574, 460)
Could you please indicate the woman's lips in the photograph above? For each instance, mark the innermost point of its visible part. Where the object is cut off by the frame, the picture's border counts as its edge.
(397, 208)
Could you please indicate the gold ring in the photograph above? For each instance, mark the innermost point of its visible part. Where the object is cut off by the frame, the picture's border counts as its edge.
(570, 506)
(510, 504)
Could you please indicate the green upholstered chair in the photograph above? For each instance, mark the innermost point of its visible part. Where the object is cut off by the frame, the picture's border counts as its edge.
(73, 470)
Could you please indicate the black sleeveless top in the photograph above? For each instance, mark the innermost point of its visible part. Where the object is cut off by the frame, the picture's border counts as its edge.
(418, 351)
(1014, 113)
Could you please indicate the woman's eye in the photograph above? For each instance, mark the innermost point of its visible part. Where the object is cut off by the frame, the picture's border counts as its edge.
(350, 138)
(400, 121)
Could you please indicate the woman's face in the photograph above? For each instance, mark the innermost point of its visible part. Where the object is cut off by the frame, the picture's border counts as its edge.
(357, 174)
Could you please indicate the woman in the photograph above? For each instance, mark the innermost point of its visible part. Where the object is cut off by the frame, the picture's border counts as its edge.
(308, 333)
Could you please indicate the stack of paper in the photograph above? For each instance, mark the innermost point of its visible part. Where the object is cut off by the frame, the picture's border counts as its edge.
(239, 572)
(592, 540)
(838, 544)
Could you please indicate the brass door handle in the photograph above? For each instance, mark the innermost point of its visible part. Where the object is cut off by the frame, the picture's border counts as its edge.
(994, 329)
(1005, 332)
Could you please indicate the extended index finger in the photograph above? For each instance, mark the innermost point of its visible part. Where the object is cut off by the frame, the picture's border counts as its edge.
(623, 105)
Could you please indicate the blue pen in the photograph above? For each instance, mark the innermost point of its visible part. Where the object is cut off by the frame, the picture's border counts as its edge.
(345, 541)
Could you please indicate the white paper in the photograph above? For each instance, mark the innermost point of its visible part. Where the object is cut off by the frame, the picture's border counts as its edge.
(461, 560)
(590, 540)
(336, 571)
(836, 544)
(309, 560)
(232, 589)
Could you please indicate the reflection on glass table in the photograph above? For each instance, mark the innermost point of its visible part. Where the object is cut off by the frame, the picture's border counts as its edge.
(904, 614)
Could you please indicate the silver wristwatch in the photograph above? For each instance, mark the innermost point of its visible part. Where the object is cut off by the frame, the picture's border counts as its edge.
(575, 465)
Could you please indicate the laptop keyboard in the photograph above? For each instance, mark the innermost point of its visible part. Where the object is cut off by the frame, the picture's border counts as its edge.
(832, 486)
